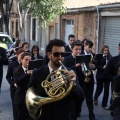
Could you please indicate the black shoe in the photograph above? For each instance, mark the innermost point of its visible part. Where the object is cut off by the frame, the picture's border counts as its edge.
(95, 102)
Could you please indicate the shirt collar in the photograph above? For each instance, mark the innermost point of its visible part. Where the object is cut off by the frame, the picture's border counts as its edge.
(86, 53)
(69, 46)
(50, 68)
(24, 68)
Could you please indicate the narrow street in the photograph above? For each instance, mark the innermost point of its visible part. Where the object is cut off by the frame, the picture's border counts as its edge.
(6, 108)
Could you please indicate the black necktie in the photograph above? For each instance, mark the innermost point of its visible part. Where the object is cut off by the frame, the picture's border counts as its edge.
(25, 71)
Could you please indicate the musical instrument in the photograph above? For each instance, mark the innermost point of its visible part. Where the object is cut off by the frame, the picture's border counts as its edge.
(57, 89)
(116, 94)
(87, 72)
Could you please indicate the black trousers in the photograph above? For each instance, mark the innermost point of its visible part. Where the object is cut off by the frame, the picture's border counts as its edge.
(21, 111)
(12, 94)
(88, 91)
(102, 83)
(116, 113)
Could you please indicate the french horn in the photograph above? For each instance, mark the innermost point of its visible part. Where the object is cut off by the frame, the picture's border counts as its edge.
(56, 89)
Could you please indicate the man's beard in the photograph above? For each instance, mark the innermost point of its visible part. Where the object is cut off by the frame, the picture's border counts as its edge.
(56, 63)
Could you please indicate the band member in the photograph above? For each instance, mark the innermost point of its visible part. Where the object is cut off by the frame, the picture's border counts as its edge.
(35, 53)
(21, 78)
(116, 98)
(25, 46)
(70, 62)
(71, 39)
(3, 60)
(101, 81)
(59, 110)
(89, 87)
(10, 78)
(112, 67)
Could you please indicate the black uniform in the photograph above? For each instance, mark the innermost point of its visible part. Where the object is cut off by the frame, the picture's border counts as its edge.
(111, 69)
(59, 110)
(102, 82)
(87, 87)
(3, 60)
(11, 81)
(116, 101)
(68, 49)
(21, 79)
(36, 57)
(70, 63)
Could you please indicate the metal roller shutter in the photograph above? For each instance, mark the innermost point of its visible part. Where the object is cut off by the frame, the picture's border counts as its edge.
(112, 34)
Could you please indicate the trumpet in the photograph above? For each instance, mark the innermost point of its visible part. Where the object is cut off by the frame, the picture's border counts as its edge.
(56, 90)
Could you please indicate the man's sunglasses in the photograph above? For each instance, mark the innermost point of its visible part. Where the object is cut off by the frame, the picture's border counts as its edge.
(57, 54)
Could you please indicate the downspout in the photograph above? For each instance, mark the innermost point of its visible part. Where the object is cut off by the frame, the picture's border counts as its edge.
(98, 26)
(59, 29)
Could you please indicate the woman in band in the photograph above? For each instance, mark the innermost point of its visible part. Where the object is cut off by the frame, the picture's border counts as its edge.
(21, 77)
(10, 78)
(101, 81)
(35, 53)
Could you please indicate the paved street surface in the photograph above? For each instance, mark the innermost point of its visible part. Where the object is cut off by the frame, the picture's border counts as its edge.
(6, 108)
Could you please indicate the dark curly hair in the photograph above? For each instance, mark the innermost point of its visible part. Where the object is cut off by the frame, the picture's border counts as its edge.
(54, 42)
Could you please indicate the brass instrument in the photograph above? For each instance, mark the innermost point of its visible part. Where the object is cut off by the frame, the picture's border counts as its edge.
(56, 90)
(86, 72)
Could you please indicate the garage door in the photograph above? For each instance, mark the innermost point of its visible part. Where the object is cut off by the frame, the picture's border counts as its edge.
(112, 34)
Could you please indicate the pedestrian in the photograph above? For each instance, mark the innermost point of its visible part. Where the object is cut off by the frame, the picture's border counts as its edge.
(89, 87)
(21, 78)
(112, 68)
(10, 78)
(3, 60)
(101, 81)
(70, 62)
(59, 110)
(116, 97)
(35, 53)
(71, 39)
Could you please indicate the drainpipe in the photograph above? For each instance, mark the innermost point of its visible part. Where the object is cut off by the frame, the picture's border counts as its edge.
(98, 26)
(59, 29)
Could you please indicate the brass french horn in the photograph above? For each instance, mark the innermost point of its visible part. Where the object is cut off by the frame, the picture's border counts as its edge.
(56, 90)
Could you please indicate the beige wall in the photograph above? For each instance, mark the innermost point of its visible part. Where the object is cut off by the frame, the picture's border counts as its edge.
(85, 26)
(85, 3)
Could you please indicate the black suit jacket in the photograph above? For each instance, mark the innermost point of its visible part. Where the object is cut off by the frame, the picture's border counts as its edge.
(58, 110)
(9, 75)
(67, 49)
(70, 63)
(112, 67)
(99, 66)
(22, 80)
(38, 57)
(3, 60)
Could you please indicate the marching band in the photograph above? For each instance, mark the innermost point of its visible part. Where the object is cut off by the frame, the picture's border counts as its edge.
(57, 89)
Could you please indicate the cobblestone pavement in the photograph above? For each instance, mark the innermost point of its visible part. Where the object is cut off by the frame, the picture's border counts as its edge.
(6, 108)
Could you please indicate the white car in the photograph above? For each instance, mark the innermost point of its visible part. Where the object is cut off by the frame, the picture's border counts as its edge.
(5, 41)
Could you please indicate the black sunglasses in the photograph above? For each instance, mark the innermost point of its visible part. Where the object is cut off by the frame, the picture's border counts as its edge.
(56, 54)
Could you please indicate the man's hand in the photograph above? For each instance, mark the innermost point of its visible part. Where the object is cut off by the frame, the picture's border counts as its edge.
(72, 76)
(29, 71)
(15, 85)
(92, 66)
(78, 64)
